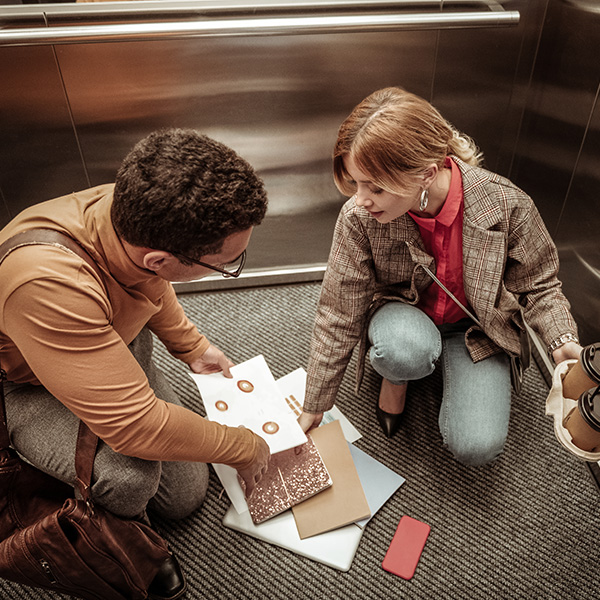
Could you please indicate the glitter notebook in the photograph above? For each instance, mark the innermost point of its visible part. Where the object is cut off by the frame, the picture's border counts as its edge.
(293, 476)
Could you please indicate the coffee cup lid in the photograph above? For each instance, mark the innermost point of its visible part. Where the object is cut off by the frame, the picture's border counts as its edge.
(590, 361)
(589, 407)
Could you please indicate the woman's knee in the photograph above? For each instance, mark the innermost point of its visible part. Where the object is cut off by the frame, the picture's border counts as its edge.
(405, 342)
(477, 450)
(414, 361)
(404, 358)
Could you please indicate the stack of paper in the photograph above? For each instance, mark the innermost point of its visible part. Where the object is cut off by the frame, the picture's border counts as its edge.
(335, 548)
(327, 523)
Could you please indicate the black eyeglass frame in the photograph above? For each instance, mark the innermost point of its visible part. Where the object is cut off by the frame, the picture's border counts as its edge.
(224, 272)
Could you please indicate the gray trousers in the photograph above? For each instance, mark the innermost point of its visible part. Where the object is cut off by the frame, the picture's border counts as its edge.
(44, 432)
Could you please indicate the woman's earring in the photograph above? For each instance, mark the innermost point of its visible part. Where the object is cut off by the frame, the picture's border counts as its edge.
(424, 199)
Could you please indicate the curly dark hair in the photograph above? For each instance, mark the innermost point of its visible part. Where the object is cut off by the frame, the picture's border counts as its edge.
(183, 192)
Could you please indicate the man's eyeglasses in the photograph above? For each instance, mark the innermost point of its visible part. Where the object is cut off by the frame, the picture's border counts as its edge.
(234, 268)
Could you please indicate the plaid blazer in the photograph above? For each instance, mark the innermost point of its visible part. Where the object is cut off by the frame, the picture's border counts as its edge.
(509, 262)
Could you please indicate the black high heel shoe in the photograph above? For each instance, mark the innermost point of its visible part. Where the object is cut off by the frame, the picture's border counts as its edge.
(390, 423)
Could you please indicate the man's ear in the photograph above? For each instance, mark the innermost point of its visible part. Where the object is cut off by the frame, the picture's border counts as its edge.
(154, 260)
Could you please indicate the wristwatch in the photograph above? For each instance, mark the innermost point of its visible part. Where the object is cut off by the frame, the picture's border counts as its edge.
(561, 341)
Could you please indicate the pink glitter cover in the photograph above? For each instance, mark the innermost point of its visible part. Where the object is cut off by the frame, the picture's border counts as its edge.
(293, 476)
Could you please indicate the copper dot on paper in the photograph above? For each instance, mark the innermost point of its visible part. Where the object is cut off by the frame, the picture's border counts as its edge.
(222, 406)
(270, 427)
(245, 386)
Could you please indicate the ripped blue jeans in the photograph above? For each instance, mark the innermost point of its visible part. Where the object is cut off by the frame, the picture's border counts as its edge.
(475, 409)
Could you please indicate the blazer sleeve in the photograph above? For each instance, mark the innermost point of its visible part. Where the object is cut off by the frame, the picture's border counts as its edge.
(346, 294)
(532, 273)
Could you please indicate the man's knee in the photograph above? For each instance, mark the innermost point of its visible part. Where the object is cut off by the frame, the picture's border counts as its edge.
(182, 490)
(124, 485)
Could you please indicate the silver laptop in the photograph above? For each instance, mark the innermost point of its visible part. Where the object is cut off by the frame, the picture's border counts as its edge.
(334, 548)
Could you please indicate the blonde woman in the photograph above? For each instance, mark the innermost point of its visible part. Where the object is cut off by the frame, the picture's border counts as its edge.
(422, 206)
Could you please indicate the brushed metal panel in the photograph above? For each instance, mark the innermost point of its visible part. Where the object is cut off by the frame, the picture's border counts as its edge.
(39, 156)
(5, 214)
(475, 80)
(277, 101)
(578, 235)
(558, 108)
(473, 90)
(558, 155)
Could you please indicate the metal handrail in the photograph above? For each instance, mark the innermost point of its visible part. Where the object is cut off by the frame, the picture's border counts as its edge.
(119, 32)
(153, 9)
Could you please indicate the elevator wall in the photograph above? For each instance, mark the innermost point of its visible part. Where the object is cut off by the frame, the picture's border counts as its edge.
(71, 111)
(527, 92)
(557, 159)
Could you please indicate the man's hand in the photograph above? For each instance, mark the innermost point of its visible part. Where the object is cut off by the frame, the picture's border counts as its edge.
(212, 361)
(254, 473)
(309, 421)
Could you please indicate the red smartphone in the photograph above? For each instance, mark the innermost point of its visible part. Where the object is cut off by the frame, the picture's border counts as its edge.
(406, 547)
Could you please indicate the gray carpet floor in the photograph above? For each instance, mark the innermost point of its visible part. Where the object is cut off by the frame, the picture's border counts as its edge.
(526, 527)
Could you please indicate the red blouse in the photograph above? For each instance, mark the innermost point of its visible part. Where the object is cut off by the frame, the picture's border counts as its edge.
(442, 236)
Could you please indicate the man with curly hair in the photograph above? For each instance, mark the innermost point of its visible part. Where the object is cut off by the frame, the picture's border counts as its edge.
(75, 341)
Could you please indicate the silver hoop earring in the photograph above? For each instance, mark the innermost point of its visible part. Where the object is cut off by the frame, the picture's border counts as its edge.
(424, 199)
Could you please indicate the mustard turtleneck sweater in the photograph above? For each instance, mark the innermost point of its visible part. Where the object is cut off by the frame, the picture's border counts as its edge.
(63, 328)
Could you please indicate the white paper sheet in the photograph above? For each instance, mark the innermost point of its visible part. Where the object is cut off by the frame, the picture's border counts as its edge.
(284, 398)
(293, 388)
(252, 399)
(335, 548)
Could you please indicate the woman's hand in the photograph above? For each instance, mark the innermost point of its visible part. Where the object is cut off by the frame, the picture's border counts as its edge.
(212, 361)
(309, 421)
(566, 351)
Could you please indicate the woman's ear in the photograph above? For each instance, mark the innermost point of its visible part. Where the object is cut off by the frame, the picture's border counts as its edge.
(430, 174)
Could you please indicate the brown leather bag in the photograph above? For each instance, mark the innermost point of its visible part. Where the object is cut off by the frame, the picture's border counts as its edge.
(52, 540)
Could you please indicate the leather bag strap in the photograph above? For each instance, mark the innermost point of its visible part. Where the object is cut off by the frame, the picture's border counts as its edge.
(46, 237)
(4, 439)
(87, 442)
(85, 452)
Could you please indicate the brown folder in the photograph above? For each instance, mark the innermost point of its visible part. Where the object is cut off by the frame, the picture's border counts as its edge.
(344, 502)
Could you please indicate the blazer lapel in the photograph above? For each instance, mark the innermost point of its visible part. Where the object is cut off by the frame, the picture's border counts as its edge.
(484, 245)
(484, 259)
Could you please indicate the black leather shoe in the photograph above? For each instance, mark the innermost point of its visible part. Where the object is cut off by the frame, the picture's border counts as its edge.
(169, 583)
(390, 423)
